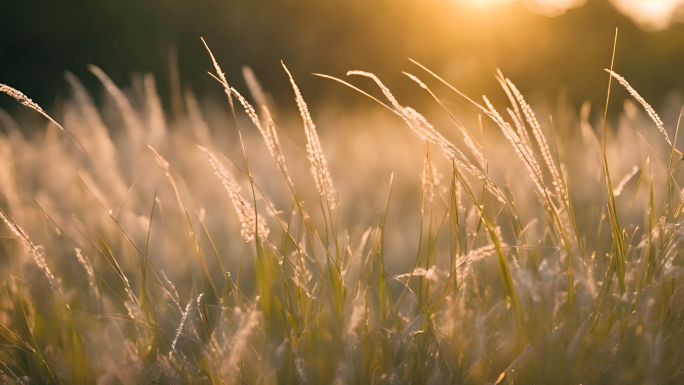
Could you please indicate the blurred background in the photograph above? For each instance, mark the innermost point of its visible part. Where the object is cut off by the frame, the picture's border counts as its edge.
(550, 48)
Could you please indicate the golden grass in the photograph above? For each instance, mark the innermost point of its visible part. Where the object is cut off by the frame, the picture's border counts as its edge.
(514, 261)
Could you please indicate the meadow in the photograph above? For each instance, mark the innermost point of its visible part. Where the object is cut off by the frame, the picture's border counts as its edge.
(228, 243)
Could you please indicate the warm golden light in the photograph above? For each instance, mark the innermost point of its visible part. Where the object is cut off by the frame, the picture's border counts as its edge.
(543, 7)
(651, 14)
(552, 7)
(648, 14)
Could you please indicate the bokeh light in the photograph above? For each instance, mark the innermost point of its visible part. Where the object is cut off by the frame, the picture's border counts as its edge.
(651, 14)
(552, 7)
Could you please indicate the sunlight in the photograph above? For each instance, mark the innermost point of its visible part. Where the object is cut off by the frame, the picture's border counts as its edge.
(552, 7)
(648, 14)
(651, 14)
(549, 8)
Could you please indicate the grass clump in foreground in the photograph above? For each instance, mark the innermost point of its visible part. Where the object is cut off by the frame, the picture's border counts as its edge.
(531, 264)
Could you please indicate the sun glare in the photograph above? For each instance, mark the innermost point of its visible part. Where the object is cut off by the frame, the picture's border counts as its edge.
(651, 14)
(552, 7)
(544, 7)
(648, 14)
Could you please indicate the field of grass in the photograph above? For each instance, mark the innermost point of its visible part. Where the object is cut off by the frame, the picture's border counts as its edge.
(225, 244)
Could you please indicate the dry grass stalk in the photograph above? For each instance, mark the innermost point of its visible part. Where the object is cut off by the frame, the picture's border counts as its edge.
(623, 182)
(174, 293)
(524, 152)
(475, 255)
(356, 316)
(527, 156)
(319, 167)
(83, 260)
(472, 145)
(35, 251)
(649, 110)
(520, 127)
(246, 214)
(94, 136)
(197, 123)
(515, 113)
(255, 88)
(26, 101)
(167, 169)
(277, 149)
(240, 340)
(155, 118)
(269, 133)
(541, 142)
(427, 132)
(181, 325)
(128, 114)
(255, 119)
(221, 76)
(430, 178)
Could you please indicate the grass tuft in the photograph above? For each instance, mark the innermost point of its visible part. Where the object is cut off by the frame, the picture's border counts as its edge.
(513, 261)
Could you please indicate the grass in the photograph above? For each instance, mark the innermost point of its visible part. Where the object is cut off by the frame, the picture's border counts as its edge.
(138, 249)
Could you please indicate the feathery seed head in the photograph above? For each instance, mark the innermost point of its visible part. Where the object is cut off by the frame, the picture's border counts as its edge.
(319, 167)
(246, 215)
(26, 101)
(649, 110)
